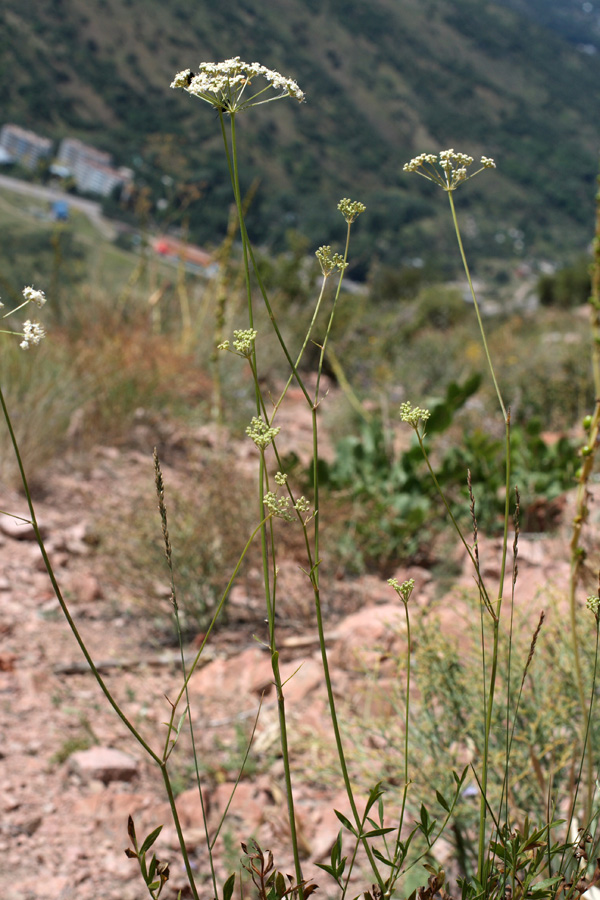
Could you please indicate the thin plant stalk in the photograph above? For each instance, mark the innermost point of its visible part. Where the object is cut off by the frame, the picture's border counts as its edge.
(188, 710)
(475, 302)
(332, 314)
(303, 348)
(498, 605)
(161, 763)
(406, 718)
(314, 578)
(232, 160)
(581, 509)
(588, 724)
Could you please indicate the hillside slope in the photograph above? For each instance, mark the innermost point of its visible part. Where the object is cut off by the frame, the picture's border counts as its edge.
(576, 21)
(384, 81)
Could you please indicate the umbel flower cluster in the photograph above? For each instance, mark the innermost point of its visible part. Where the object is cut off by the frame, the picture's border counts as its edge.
(413, 415)
(32, 332)
(449, 169)
(351, 209)
(330, 261)
(261, 433)
(243, 343)
(229, 85)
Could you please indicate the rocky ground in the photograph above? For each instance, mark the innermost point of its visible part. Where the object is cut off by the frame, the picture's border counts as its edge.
(70, 772)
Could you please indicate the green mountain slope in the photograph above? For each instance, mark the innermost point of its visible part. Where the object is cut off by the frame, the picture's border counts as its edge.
(384, 80)
(578, 21)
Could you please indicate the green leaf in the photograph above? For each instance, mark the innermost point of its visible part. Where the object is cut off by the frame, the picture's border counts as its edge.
(280, 885)
(442, 801)
(460, 780)
(379, 855)
(228, 887)
(150, 839)
(374, 796)
(377, 832)
(346, 822)
(336, 850)
(131, 831)
(181, 720)
(545, 884)
(442, 412)
(329, 869)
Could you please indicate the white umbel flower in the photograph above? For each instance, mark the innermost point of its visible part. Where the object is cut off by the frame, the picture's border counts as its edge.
(37, 297)
(33, 333)
(449, 169)
(229, 85)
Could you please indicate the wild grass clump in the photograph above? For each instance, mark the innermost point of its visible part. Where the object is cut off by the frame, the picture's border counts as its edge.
(41, 414)
(502, 757)
(208, 524)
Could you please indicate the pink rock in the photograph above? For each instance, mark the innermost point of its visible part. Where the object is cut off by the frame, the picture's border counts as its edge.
(326, 825)
(249, 805)
(84, 587)
(20, 529)
(235, 681)
(103, 764)
(248, 808)
(301, 678)
(366, 635)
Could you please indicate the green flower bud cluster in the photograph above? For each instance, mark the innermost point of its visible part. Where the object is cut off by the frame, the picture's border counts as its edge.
(350, 209)
(329, 261)
(261, 433)
(243, 344)
(413, 415)
(403, 590)
(593, 604)
(278, 506)
(244, 341)
(281, 507)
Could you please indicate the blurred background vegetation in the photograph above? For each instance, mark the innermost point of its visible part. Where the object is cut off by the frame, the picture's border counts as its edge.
(513, 79)
(133, 335)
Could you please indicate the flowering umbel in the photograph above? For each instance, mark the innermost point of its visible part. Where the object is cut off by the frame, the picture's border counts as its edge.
(32, 296)
(32, 332)
(229, 85)
(403, 590)
(261, 433)
(243, 344)
(449, 169)
(330, 261)
(413, 415)
(351, 209)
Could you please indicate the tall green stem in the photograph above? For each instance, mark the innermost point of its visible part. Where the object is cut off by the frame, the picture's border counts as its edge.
(581, 512)
(269, 586)
(496, 617)
(332, 314)
(302, 349)
(314, 577)
(75, 631)
(475, 303)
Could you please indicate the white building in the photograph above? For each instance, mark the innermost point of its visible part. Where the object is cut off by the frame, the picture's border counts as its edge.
(91, 168)
(25, 147)
(72, 151)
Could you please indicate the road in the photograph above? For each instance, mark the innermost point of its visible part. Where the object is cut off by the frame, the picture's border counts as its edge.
(91, 208)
